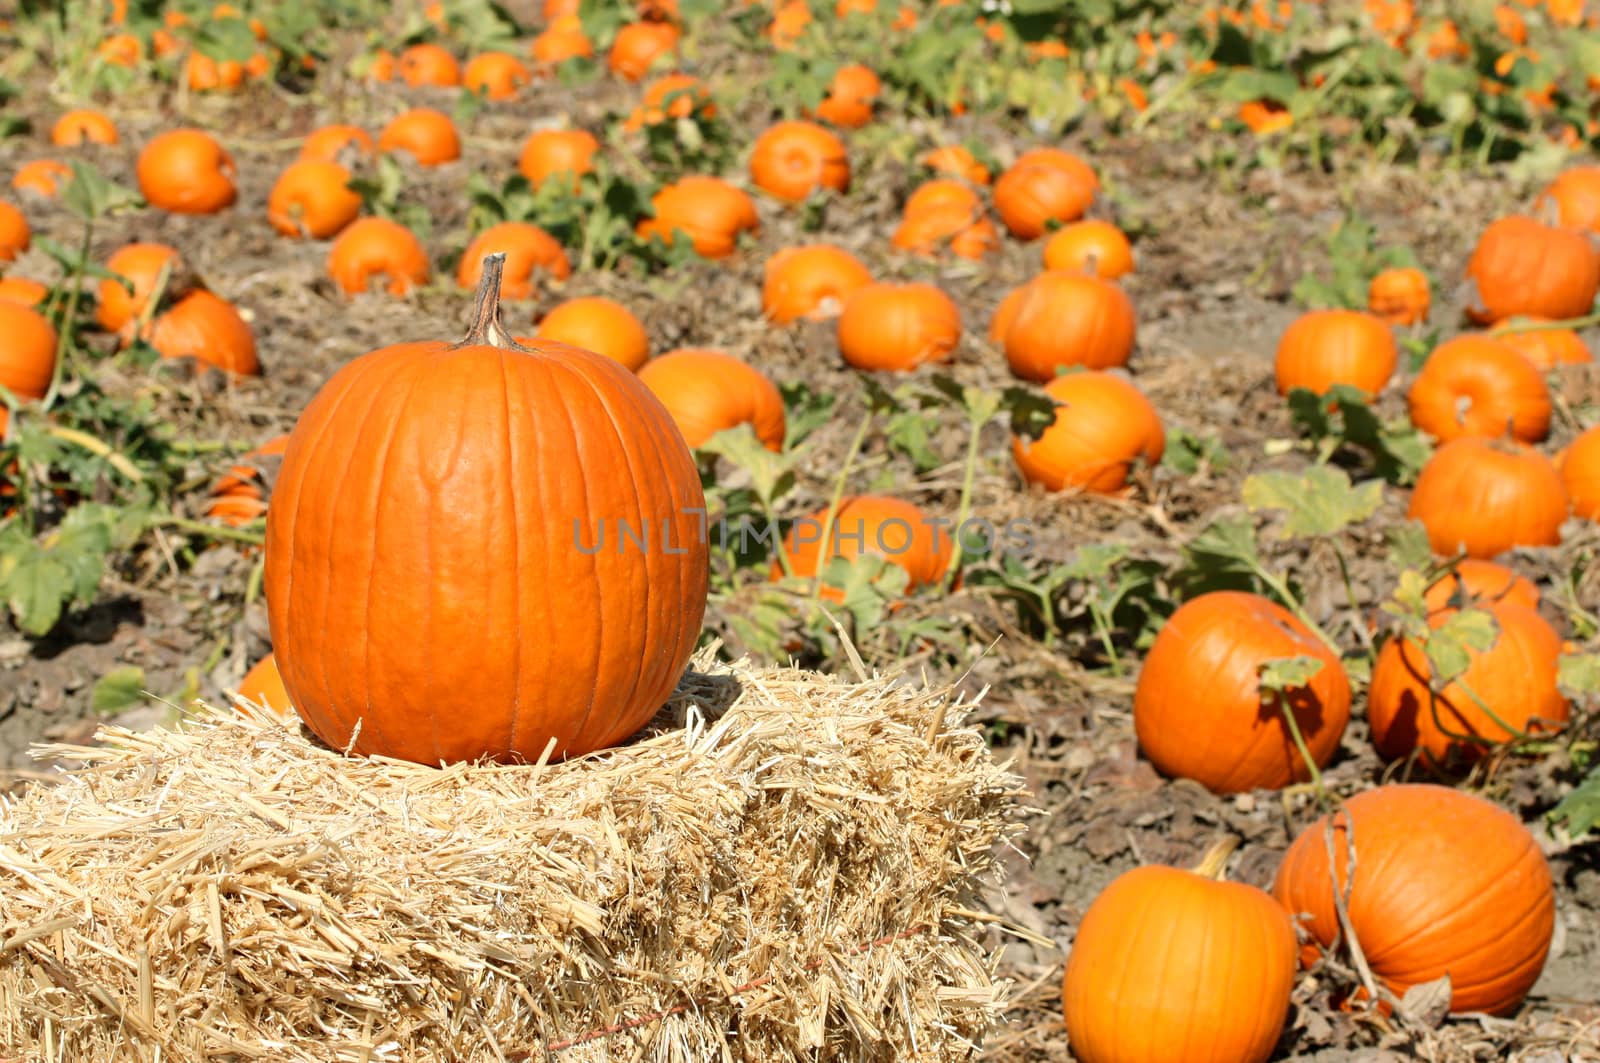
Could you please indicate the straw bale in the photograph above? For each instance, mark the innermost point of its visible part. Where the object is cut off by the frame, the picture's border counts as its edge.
(784, 868)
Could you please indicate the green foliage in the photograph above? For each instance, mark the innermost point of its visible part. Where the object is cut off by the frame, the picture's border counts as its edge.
(1283, 674)
(1342, 425)
(120, 689)
(1579, 811)
(1354, 255)
(1319, 502)
(1188, 453)
(40, 578)
(382, 190)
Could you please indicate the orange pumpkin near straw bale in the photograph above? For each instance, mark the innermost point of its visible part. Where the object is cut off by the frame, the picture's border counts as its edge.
(881, 526)
(526, 458)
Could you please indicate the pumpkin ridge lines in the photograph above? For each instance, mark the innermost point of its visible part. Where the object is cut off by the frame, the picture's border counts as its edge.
(516, 543)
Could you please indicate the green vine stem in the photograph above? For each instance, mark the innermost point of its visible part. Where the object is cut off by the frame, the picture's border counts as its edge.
(833, 507)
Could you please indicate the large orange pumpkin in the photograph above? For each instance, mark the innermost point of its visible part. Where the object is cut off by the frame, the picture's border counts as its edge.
(1486, 496)
(1327, 347)
(1060, 320)
(814, 281)
(793, 159)
(1521, 267)
(598, 324)
(708, 210)
(185, 171)
(529, 251)
(1163, 959)
(1045, 186)
(707, 391)
(1199, 710)
(427, 135)
(553, 507)
(898, 326)
(1580, 474)
(876, 525)
(1477, 386)
(1102, 426)
(1515, 678)
(208, 329)
(1444, 883)
(1544, 346)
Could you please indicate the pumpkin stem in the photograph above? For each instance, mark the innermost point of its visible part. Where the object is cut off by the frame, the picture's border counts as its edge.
(486, 329)
(1215, 862)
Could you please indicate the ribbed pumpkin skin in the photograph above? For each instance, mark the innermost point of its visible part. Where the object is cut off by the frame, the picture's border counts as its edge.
(1485, 497)
(793, 159)
(1580, 474)
(1477, 386)
(424, 576)
(1523, 268)
(1198, 709)
(707, 391)
(1327, 347)
(1168, 965)
(1065, 319)
(1516, 677)
(1444, 882)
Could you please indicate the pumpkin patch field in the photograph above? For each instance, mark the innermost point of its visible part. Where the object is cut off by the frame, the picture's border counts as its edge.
(1150, 448)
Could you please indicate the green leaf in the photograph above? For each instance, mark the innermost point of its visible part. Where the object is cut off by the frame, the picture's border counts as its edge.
(1579, 811)
(1319, 502)
(1578, 674)
(1187, 452)
(1225, 545)
(805, 410)
(1094, 561)
(119, 689)
(1451, 646)
(1409, 547)
(771, 473)
(1283, 674)
(1031, 411)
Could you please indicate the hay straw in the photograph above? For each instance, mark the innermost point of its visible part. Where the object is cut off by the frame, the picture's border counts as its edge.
(784, 869)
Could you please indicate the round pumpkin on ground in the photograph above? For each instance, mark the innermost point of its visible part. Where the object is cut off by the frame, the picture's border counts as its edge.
(1328, 347)
(373, 248)
(23, 290)
(263, 685)
(557, 151)
(312, 199)
(814, 281)
(1486, 496)
(598, 324)
(1043, 187)
(428, 64)
(505, 474)
(185, 171)
(956, 161)
(1092, 246)
(791, 160)
(1061, 320)
(495, 76)
(876, 525)
(1199, 710)
(707, 391)
(1444, 883)
(708, 210)
(1477, 386)
(1580, 474)
(27, 351)
(1522, 268)
(1543, 346)
(638, 45)
(83, 127)
(852, 94)
(15, 235)
(529, 251)
(1102, 426)
(1515, 679)
(208, 329)
(898, 327)
(561, 40)
(141, 265)
(1162, 960)
(1572, 199)
(426, 135)
(1399, 296)
(1480, 584)
(336, 143)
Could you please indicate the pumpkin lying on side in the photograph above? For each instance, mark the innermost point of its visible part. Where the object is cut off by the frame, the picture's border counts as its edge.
(707, 391)
(1521, 267)
(1478, 386)
(708, 210)
(557, 512)
(1044, 186)
(791, 160)
(1103, 424)
(185, 171)
(1164, 962)
(1444, 883)
(814, 281)
(898, 327)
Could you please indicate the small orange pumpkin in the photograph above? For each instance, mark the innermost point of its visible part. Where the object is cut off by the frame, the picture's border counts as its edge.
(672, 96)
(1515, 678)
(15, 235)
(792, 160)
(710, 211)
(956, 161)
(141, 265)
(529, 250)
(185, 171)
(203, 73)
(208, 329)
(1480, 584)
(1060, 320)
(852, 94)
(1127, 999)
(495, 76)
(428, 64)
(1486, 496)
(1399, 296)
(333, 143)
(427, 135)
(83, 127)
(1103, 424)
(1543, 346)
(557, 151)
(1523, 268)
(41, 177)
(789, 21)
(377, 247)
(898, 326)
(1091, 246)
(707, 391)
(598, 324)
(263, 685)
(1477, 386)
(638, 45)
(27, 292)
(1572, 199)
(1044, 186)
(239, 497)
(312, 199)
(27, 351)
(875, 525)
(813, 281)
(945, 213)
(1199, 710)
(1580, 474)
(1323, 348)
(1442, 882)
(561, 40)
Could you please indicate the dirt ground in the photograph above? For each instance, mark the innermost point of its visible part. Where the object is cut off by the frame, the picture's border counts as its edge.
(1218, 251)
